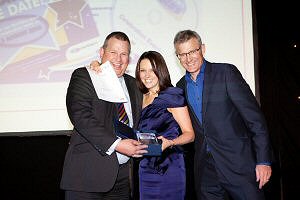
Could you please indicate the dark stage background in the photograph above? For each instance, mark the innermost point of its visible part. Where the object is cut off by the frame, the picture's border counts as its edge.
(279, 80)
(31, 166)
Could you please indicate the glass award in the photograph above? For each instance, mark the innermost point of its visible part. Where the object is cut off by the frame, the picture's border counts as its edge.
(149, 138)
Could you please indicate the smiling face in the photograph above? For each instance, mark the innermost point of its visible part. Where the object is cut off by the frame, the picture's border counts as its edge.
(117, 53)
(191, 55)
(148, 77)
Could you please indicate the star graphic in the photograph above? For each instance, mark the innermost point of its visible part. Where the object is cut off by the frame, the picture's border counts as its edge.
(68, 11)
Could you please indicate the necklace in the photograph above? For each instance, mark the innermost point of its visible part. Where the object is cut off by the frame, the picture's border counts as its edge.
(152, 93)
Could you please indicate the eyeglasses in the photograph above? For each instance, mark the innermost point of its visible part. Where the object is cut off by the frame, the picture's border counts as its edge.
(183, 56)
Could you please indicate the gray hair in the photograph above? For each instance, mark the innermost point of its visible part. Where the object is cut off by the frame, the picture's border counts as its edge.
(185, 35)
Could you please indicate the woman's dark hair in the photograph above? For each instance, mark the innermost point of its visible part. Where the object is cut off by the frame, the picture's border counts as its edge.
(159, 67)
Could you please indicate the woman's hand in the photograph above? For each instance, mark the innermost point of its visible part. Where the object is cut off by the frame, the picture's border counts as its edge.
(166, 143)
(96, 66)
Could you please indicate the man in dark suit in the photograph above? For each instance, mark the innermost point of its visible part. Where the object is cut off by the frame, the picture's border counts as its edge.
(232, 148)
(96, 163)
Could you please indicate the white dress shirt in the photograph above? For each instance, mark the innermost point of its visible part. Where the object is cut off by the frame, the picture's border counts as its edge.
(121, 157)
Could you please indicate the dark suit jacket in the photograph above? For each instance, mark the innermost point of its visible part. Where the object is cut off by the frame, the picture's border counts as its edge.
(233, 124)
(87, 167)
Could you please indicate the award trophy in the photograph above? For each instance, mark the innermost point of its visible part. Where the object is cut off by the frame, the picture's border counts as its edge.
(149, 138)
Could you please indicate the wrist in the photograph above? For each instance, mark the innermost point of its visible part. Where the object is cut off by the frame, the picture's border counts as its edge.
(173, 143)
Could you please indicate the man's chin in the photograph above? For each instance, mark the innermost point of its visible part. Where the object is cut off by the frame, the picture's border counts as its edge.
(119, 74)
(192, 69)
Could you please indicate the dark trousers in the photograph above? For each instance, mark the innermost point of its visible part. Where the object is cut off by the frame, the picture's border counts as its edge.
(214, 186)
(119, 191)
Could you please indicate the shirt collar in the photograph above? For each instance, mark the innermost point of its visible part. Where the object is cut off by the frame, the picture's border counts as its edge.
(121, 79)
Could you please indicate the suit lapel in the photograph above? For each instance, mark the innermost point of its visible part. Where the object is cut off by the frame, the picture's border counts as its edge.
(206, 88)
(133, 99)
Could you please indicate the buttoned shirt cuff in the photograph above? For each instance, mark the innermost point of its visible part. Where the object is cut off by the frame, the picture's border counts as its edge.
(264, 163)
(113, 147)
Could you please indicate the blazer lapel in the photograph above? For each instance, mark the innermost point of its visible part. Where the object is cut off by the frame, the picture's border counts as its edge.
(135, 105)
(206, 88)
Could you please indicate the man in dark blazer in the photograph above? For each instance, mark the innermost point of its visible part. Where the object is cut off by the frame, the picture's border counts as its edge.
(96, 163)
(232, 148)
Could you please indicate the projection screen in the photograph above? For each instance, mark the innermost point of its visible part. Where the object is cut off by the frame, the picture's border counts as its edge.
(43, 41)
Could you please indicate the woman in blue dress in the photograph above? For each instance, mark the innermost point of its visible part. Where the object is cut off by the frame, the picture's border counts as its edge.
(165, 112)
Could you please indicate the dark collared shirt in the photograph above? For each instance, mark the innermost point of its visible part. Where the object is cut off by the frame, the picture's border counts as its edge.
(195, 90)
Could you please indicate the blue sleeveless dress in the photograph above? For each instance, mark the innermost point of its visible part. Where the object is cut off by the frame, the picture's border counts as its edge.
(163, 177)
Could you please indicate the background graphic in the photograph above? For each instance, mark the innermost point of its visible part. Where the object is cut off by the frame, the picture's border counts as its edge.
(43, 41)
